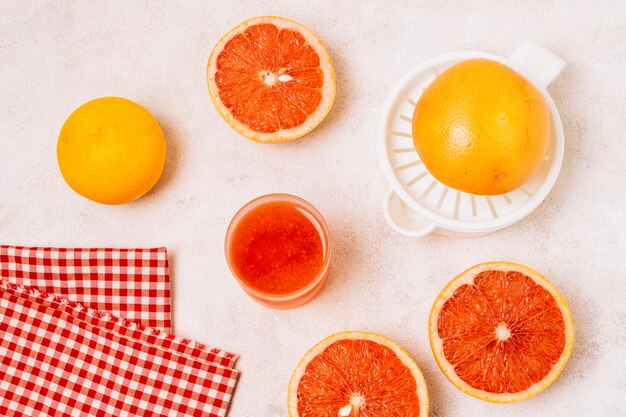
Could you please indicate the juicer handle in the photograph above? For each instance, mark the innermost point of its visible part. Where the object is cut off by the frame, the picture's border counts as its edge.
(544, 65)
(403, 219)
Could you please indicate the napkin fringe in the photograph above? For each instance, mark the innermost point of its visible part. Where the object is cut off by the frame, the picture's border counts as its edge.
(107, 317)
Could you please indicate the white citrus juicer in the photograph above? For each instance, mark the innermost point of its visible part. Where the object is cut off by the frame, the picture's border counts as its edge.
(417, 204)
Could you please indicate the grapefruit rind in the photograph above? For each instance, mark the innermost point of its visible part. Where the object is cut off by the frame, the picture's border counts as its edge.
(436, 343)
(422, 392)
(328, 89)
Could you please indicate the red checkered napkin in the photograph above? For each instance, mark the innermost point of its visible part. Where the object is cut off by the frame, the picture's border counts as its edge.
(58, 357)
(129, 283)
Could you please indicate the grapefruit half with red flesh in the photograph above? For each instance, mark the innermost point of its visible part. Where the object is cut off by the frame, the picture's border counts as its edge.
(271, 79)
(501, 332)
(357, 374)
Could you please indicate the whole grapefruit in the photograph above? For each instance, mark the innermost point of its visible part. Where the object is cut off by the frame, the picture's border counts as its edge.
(111, 150)
(481, 128)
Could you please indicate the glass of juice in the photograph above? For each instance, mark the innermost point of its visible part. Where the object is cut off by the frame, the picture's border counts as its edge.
(278, 248)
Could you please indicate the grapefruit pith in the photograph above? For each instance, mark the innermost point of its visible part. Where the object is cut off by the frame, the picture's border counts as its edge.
(271, 79)
(501, 332)
(357, 374)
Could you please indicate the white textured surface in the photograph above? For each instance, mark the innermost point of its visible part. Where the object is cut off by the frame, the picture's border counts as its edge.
(56, 55)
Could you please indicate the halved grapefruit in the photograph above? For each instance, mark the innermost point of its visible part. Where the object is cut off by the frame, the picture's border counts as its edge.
(357, 374)
(271, 79)
(501, 332)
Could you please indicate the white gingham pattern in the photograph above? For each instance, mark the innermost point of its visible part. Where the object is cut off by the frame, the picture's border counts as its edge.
(58, 357)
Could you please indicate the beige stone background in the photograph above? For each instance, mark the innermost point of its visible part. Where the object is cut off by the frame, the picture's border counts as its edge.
(55, 55)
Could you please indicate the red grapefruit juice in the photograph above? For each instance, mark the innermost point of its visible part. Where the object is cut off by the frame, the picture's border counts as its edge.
(277, 246)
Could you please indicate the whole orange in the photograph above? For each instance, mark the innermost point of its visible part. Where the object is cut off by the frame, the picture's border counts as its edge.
(111, 150)
(481, 128)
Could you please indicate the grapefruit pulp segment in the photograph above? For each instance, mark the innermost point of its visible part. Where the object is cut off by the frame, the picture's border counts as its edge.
(501, 332)
(271, 79)
(357, 374)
